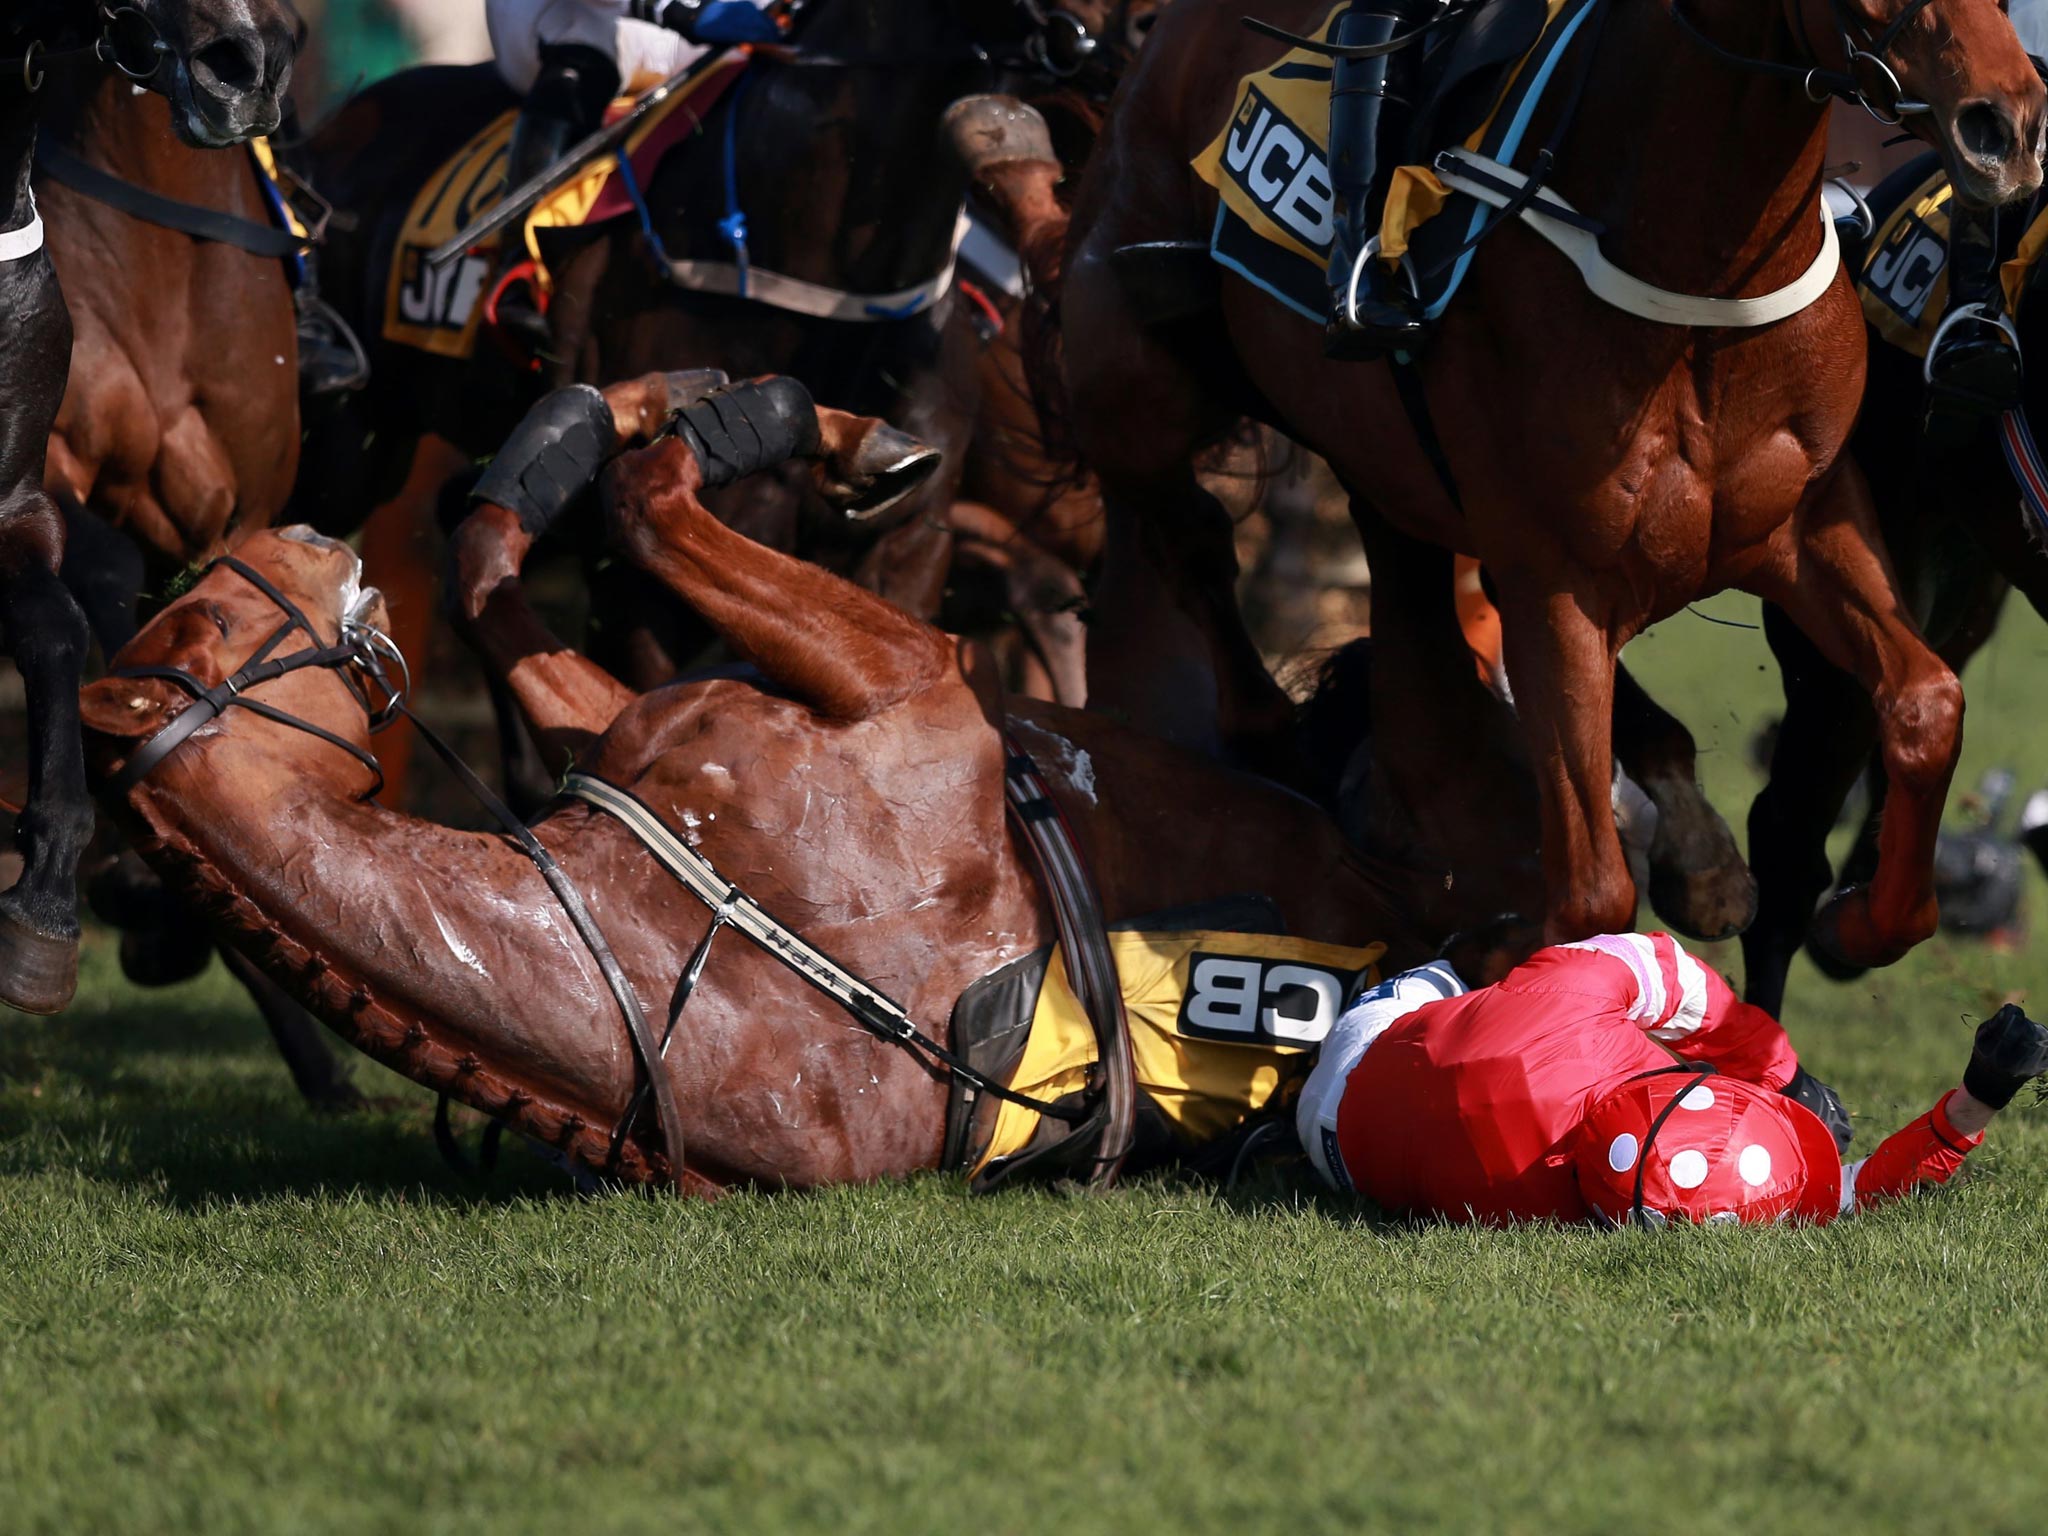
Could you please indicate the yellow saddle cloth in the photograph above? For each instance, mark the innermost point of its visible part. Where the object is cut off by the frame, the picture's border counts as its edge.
(1221, 1024)
(441, 311)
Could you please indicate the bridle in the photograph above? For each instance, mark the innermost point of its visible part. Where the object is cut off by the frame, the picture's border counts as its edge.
(126, 39)
(1860, 51)
(359, 648)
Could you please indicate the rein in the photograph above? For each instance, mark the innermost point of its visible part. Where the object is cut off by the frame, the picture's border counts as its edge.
(136, 201)
(1858, 47)
(200, 223)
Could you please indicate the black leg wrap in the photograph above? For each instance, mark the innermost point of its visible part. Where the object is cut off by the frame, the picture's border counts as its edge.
(551, 457)
(743, 430)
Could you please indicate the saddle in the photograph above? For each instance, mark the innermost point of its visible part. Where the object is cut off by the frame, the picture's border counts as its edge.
(1481, 81)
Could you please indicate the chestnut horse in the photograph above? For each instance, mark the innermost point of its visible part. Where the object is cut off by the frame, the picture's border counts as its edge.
(1608, 469)
(224, 65)
(855, 789)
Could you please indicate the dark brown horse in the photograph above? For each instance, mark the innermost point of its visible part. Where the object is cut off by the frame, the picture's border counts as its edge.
(1609, 469)
(1958, 533)
(855, 790)
(224, 65)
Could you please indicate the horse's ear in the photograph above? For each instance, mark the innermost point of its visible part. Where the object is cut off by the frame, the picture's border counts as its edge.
(124, 707)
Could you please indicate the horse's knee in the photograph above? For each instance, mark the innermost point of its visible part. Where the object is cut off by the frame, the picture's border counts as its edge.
(1923, 729)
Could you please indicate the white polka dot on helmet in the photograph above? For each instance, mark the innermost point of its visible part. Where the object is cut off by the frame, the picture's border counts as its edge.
(1736, 1151)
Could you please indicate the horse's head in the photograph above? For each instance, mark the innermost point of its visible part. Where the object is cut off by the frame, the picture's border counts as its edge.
(1956, 75)
(212, 632)
(224, 64)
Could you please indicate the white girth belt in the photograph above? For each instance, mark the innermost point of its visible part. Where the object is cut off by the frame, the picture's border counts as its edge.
(1571, 232)
(16, 244)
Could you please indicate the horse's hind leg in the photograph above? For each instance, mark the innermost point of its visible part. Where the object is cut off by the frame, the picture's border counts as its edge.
(1698, 881)
(1839, 589)
(302, 1043)
(1168, 649)
(103, 570)
(47, 635)
(1821, 749)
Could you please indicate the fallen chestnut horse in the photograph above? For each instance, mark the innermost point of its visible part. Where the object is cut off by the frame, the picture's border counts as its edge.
(854, 789)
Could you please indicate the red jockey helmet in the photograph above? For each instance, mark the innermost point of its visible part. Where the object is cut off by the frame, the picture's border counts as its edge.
(1689, 1144)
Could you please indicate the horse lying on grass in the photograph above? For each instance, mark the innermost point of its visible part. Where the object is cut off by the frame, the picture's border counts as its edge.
(854, 788)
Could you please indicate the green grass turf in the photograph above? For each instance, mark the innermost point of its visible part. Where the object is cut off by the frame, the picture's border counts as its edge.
(219, 1311)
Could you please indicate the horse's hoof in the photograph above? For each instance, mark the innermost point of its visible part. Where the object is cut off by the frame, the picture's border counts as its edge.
(38, 971)
(886, 467)
(1848, 933)
(1705, 904)
(1699, 884)
(990, 130)
(688, 386)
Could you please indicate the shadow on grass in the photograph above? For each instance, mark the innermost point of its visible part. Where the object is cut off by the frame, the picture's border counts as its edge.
(180, 1094)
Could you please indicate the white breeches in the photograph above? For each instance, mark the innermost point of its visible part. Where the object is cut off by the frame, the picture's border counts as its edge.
(1315, 1114)
(646, 54)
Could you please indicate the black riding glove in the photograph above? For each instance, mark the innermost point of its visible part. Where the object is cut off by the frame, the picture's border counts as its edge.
(1817, 1096)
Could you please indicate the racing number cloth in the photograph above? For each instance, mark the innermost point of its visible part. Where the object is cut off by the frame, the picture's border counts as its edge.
(1904, 280)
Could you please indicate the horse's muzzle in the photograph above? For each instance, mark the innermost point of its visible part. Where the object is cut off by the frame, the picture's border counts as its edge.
(231, 88)
(1994, 155)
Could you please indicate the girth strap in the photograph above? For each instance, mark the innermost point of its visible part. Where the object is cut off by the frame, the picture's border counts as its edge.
(1084, 940)
(731, 907)
(88, 180)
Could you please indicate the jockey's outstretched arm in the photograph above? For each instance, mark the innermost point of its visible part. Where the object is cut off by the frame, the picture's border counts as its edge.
(2010, 1051)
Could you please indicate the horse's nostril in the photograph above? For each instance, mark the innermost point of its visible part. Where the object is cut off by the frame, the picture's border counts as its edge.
(1984, 132)
(230, 65)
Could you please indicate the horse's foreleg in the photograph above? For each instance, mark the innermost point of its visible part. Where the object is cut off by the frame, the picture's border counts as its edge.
(845, 651)
(1837, 586)
(567, 699)
(47, 635)
(1698, 881)
(1562, 662)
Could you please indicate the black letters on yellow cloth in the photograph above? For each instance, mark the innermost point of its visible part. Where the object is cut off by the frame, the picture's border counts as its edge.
(1903, 282)
(1224, 1022)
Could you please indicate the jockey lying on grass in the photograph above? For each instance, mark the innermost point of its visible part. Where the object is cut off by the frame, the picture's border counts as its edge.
(1615, 1079)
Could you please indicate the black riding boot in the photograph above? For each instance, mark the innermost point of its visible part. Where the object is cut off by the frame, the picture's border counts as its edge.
(1370, 111)
(566, 105)
(331, 359)
(1973, 371)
